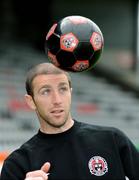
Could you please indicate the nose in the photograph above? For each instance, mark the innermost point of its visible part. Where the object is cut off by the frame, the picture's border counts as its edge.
(56, 98)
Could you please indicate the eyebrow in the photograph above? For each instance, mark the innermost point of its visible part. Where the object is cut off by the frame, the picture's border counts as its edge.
(48, 86)
(44, 86)
(63, 83)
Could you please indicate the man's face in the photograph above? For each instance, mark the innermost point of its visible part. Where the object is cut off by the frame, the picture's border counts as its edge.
(52, 98)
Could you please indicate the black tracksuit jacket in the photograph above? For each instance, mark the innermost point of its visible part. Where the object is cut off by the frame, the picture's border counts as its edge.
(82, 152)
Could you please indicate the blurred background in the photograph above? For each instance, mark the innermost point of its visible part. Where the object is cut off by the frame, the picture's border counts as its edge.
(106, 95)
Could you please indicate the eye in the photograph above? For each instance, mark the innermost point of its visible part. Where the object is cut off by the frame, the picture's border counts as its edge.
(45, 91)
(63, 89)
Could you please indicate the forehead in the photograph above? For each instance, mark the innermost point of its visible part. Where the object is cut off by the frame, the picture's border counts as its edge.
(49, 79)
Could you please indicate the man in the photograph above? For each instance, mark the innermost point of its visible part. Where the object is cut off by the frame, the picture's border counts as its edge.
(64, 148)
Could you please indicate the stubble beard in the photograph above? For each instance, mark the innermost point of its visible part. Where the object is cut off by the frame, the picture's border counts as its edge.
(53, 122)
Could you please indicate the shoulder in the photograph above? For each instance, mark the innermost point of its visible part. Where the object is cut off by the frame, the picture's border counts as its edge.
(24, 149)
(99, 131)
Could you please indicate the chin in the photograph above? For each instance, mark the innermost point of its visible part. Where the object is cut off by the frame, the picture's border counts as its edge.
(60, 124)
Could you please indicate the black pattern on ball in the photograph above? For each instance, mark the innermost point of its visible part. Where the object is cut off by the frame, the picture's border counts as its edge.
(75, 43)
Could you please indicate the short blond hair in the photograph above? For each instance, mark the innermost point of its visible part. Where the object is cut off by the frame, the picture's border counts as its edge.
(43, 68)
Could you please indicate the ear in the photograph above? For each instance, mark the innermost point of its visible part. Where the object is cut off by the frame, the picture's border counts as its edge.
(71, 90)
(30, 102)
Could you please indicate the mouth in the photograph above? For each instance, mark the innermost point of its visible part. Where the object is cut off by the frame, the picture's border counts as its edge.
(57, 111)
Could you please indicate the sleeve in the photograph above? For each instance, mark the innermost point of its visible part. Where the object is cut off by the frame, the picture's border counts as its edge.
(14, 168)
(129, 155)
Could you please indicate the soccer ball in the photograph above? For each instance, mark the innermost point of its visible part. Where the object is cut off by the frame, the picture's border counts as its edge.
(75, 44)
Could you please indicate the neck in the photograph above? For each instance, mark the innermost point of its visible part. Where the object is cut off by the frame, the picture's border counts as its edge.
(49, 129)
